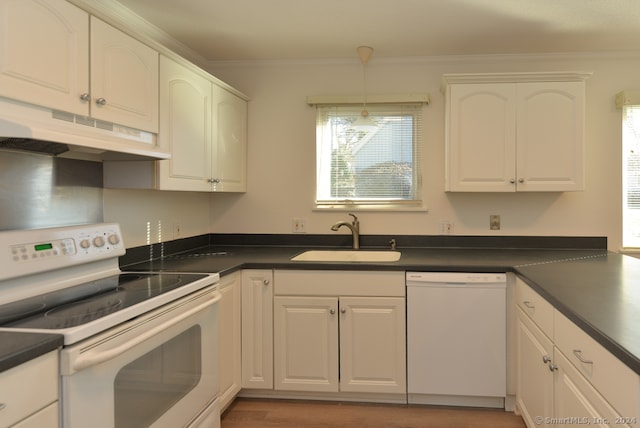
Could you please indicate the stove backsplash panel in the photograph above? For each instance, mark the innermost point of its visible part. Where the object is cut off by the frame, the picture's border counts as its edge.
(39, 191)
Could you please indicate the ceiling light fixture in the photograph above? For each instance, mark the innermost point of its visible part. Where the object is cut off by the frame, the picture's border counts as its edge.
(364, 122)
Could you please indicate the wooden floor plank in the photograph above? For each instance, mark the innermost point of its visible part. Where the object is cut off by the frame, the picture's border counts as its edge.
(264, 413)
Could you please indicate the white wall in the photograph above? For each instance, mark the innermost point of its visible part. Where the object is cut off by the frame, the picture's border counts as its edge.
(282, 137)
(148, 216)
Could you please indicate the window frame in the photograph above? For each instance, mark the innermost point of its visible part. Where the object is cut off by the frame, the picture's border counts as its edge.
(351, 104)
(630, 238)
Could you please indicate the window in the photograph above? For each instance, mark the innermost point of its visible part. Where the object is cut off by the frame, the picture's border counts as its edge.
(631, 176)
(369, 169)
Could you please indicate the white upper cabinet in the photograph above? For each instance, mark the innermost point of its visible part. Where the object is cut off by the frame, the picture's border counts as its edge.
(204, 127)
(185, 128)
(45, 53)
(56, 56)
(124, 78)
(515, 132)
(229, 164)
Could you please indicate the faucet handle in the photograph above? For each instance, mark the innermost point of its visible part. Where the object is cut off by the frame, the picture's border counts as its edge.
(355, 219)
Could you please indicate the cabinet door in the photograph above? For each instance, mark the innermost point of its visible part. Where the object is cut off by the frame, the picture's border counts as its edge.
(481, 132)
(229, 142)
(45, 53)
(306, 343)
(534, 394)
(575, 400)
(372, 344)
(185, 128)
(257, 329)
(124, 79)
(229, 320)
(550, 136)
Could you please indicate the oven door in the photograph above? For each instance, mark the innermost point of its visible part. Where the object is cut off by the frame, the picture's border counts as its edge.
(158, 370)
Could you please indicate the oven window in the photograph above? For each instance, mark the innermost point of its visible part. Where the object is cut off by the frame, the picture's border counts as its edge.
(152, 384)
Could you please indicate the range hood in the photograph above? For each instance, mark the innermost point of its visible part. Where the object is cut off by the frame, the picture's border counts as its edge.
(37, 129)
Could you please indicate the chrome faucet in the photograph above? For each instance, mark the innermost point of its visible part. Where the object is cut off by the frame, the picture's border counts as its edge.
(355, 230)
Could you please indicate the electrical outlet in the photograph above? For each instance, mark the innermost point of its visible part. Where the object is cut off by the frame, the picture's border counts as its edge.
(494, 222)
(446, 228)
(299, 225)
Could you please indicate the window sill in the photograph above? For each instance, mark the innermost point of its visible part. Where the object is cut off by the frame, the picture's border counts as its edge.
(372, 207)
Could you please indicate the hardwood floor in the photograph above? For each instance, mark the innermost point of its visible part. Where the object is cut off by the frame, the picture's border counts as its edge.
(259, 413)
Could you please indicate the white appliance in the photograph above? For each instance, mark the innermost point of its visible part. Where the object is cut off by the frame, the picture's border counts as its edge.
(39, 129)
(456, 338)
(140, 349)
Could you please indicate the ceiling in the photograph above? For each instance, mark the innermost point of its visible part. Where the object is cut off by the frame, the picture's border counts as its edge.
(250, 30)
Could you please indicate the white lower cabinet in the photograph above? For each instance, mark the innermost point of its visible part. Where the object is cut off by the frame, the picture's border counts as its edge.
(330, 336)
(331, 344)
(565, 378)
(230, 346)
(24, 405)
(372, 344)
(306, 343)
(257, 329)
(534, 393)
(576, 401)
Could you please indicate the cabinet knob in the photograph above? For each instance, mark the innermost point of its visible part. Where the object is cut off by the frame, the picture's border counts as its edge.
(266, 282)
(101, 101)
(213, 180)
(521, 180)
(512, 181)
(85, 97)
(546, 359)
(332, 311)
(343, 310)
(553, 367)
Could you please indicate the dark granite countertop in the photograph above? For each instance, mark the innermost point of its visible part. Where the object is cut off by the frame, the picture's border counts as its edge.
(17, 348)
(597, 289)
(229, 258)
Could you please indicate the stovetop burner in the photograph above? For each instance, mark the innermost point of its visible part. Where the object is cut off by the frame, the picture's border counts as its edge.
(87, 302)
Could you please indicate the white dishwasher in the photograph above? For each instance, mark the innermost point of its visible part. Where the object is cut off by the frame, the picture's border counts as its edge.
(456, 338)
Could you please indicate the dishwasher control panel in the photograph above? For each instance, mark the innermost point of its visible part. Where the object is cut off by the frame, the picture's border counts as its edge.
(456, 277)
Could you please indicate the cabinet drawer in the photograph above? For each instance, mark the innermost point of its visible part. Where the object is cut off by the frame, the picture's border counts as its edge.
(21, 402)
(613, 379)
(338, 283)
(47, 417)
(540, 311)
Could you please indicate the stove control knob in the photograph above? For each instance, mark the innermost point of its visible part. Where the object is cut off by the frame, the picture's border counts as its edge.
(85, 244)
(98, 241)
(114, 239)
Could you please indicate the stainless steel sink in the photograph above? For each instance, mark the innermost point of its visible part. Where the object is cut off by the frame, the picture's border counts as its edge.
(347, 256)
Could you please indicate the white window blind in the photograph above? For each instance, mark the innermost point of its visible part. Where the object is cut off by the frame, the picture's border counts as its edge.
(631, 176)
(379, 168)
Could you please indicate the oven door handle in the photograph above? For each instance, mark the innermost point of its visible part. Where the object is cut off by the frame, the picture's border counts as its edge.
(94, 358)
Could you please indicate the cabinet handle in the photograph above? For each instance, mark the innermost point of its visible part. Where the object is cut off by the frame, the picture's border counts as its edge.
(332, 311)
(528, 304)
(101, 101)
(213, 180)
(546, 359)
(578, 354)
(85, 97)
(266, 282)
